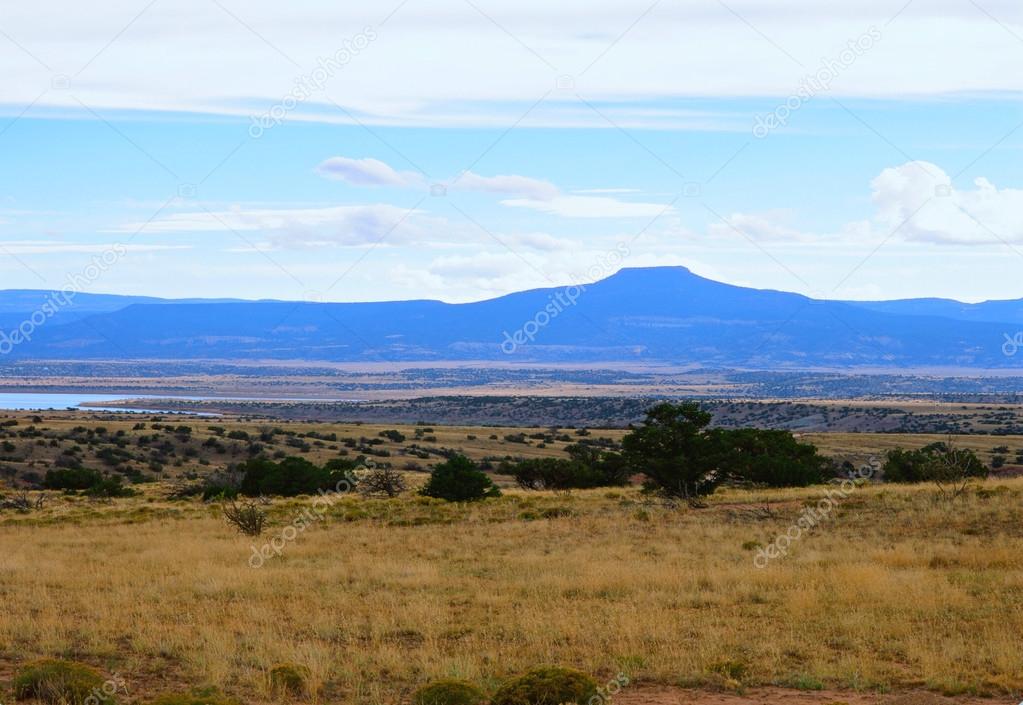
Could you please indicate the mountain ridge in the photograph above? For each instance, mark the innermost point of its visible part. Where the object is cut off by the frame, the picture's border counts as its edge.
(664, 314)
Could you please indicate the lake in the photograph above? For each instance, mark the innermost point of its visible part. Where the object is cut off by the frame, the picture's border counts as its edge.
(35, 401)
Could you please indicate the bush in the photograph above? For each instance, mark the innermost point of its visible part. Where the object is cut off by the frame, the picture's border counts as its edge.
(289, 679)
(948, 467)
(61, 683)
(216, 489)
(586, 468)
(292, 476)
(110, 487)
(382, 480)
(448, 692)
(547, 686)
(459, 480)
(248, 518)
(82, 479)
(73, 479)
(931, 463)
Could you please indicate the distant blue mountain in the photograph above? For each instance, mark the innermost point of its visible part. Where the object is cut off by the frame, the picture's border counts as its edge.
(1010, 311)
(662, 314)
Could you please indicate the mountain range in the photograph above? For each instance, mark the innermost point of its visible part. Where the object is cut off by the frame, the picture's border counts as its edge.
(658, 314)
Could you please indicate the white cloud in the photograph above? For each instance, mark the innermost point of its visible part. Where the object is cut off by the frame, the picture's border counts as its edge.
(520, 185)
(47, 247)
(366, 172)
(591, 207)
(390, 81)
(913, 202)
(303, 227)
(538, 241)
(535, 194)
(918, 198)
(373, 172)
(758, 226)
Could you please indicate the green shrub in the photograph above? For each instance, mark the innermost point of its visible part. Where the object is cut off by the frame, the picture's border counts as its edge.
(71, 479)
(459, 480)
(92, 482)
(448, 692)
(547, 686)
(62, 683)
(289, 679)
(110, 487)
(587, 468)
(294, 476)
(196, 696)
(933, 463)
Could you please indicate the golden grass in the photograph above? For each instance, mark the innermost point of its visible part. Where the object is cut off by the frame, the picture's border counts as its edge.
(893, 590)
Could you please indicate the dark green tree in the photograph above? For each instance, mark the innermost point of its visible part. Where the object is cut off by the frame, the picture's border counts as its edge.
(673, 450)
(769, 458)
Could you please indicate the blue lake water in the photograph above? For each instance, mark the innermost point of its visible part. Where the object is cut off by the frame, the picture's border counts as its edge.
(43, 401)
(35, 401)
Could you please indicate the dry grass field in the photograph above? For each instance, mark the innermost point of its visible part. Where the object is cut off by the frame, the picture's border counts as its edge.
(893, 590)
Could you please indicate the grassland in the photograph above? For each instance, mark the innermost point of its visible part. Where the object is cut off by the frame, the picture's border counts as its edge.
(895, 589)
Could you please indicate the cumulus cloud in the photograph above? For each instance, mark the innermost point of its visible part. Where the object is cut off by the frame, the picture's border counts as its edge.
(919, 199)
(366, 172)
(913, 202)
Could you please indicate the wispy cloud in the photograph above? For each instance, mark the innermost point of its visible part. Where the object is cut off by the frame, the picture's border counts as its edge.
(591, 207)
(506, 184)
(300, 227)
(643, 73)
(532, 193)
(47, 247)
(367, 172)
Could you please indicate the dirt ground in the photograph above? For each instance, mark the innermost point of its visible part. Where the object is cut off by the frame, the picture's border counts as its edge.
(663, 695)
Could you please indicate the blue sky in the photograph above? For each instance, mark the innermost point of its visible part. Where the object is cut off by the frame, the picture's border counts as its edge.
(463, 150)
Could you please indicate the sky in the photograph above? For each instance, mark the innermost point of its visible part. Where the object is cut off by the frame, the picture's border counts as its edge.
(464, 149)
